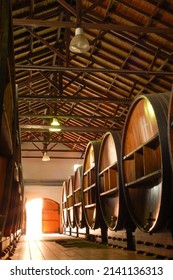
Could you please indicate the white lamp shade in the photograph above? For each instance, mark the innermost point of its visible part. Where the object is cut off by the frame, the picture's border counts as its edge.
(79, 43)
(55, 122)
(54, 125)
(45, 157)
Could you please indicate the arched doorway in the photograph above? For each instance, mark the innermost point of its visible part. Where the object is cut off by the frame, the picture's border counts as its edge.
(42, 216)
(50, 216)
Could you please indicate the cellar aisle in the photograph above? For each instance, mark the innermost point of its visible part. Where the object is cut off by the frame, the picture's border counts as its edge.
(62, 247)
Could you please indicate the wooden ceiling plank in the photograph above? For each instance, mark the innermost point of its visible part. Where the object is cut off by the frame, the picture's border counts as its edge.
(91, 7)
(151, 78)
(55, 86)
(33, 92)
(33, 33)
(148, 47)
(68, 7)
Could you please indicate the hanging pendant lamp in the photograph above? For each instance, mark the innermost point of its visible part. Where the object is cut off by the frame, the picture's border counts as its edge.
(55, 123)
(79, 43)
(45, 157)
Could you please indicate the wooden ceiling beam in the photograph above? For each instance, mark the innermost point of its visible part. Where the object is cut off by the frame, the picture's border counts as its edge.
(50, 151)
(42, 116)
(54, 141)
(52, 157)
(90, 69)
(97, 26)
(74, 99)
(35, 127)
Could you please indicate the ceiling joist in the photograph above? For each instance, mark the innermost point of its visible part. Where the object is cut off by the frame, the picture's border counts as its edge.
(90, 69)
(74, 99)
(45, 128)
(131, 53)
(120, 118)
(97, 26)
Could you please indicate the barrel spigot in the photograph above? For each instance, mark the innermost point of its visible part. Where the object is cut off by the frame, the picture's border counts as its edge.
(149, 222)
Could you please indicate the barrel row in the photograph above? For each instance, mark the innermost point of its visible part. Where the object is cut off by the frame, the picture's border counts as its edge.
(11, 180)
(125, 180)
(11, 176)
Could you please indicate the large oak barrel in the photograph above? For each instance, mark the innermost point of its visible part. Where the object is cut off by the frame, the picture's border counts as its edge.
(70, 202)
(6, 190)
(6, 151)
(64, 205)
(146, 164)
(170, 128)
(3, 168)
(170, 141)
(8, 126)
(78, 203)
(6, 141)
(92, 211)
(111, 194)
(14, 216)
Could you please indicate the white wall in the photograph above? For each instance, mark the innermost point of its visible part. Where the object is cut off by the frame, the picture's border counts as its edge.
(52, 192)
(44, 179)
(51, 172)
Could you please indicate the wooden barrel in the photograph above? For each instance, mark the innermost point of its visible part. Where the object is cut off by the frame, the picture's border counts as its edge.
(170, 128)
(70, 202)
(91, 204)
(78, 203)
(146, 166)
(6, 160)
(6, 190)
(15, 210)
(3, 168)
(111, 194)
(170, 140)
(8, 117)
(8, 105)
(11, 225)
(6, 142)
(64, 205)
